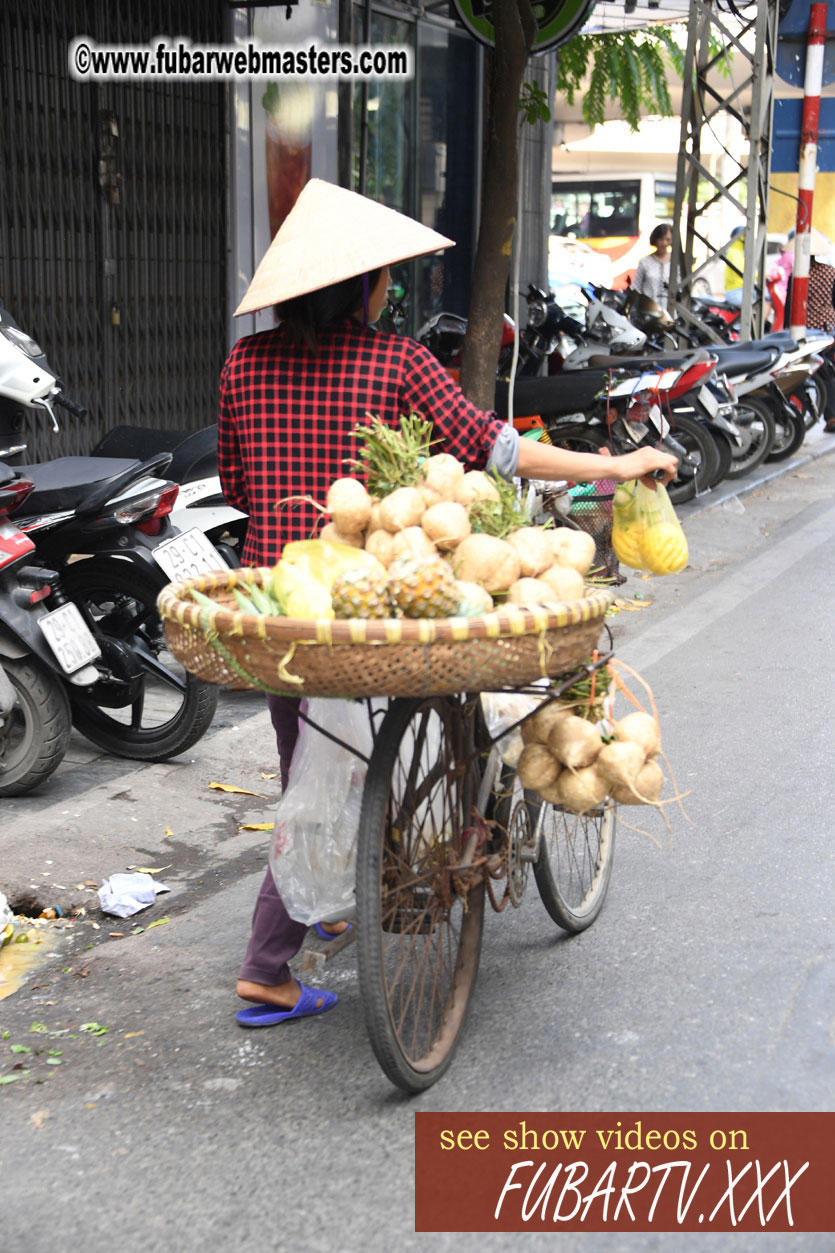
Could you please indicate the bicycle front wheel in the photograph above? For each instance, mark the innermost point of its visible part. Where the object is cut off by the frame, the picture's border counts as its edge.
(420, 914)
(574, 864)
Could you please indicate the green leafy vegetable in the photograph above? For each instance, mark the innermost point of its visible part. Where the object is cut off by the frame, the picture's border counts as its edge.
(391, 458)
(499, 517)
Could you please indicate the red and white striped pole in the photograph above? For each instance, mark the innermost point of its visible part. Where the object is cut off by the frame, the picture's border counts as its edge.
(808, 165)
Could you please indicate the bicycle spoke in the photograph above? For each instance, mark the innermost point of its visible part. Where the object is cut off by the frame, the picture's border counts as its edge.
(422, 951)
(574, 864)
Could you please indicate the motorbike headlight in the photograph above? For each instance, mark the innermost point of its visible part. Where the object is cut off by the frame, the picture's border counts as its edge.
(22, 341)
(537, 313)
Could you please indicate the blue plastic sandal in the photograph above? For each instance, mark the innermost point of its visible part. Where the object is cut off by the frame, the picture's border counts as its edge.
(327, 935)
(271, 1015)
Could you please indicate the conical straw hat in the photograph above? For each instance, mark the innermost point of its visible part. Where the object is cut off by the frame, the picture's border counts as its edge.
(332, 234)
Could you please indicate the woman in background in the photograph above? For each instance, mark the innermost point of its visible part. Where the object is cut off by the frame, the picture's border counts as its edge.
(652, 277)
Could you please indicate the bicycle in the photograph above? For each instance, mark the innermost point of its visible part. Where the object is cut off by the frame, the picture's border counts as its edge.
(443, 820)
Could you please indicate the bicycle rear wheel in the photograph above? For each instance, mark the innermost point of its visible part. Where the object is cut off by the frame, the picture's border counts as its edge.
(574, 864)
(419, 932)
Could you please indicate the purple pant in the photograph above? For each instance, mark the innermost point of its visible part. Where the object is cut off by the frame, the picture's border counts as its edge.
(275, 937)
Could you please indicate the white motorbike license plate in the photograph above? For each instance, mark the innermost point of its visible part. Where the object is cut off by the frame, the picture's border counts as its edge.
(69, 637)
(188, 555)
(658, 420)
(709, 401)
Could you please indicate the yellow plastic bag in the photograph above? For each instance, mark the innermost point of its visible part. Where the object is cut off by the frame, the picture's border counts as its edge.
(646, 534)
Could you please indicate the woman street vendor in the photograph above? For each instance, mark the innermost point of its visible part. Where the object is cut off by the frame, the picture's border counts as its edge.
(290, 398)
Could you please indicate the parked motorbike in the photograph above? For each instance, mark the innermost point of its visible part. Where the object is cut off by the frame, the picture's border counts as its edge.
(700, 414)
(200, 502)
(46, 651)
(103, 524)
(616, 403)
(772, 378)
(791, 386)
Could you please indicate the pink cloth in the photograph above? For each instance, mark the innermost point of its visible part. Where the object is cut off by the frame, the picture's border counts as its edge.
(780, 273)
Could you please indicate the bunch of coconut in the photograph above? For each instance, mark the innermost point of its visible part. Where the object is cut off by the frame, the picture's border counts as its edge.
(420, 509)
(577, 764)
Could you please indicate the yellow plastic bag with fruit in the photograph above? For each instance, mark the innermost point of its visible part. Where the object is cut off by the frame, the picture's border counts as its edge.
(646, 534)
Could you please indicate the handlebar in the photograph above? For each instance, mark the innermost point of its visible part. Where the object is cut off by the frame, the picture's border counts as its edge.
(78, 411)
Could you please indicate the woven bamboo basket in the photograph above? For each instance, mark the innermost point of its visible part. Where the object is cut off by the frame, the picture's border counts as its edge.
(389, 657)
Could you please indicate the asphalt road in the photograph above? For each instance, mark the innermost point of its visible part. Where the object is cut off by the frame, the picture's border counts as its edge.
(707, 983)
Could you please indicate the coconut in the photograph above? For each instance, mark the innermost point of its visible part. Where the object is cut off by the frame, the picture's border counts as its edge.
(529, 593)
(349, 505)
(565, 583)
(330, 531)
(582, 790)
(486, 560)
(537, 767)
(533, 545)
(646, 789)
(446, 524)
(475, 485)
(575, 549)
(575, 742)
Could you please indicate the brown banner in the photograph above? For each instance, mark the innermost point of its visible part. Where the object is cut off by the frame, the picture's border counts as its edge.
(625, 1172)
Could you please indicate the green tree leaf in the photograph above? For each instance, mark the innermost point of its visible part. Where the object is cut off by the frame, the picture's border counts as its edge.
(631, 67)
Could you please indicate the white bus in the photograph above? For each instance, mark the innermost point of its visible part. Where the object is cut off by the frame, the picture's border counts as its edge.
(613, 214)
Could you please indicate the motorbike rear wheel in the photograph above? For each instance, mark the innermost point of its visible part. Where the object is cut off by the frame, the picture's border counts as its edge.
(37, 733)
(724, 447)
(146, 706)
(811, 399)
(826, 377)
(790, 433)
(755, 420)
(698, 469)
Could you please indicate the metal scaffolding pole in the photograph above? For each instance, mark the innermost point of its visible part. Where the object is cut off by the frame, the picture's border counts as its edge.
(748, 31)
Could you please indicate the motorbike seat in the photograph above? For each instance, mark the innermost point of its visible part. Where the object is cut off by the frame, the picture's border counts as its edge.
(783, 336)
(687, 356)
(555, 394)
(737, 362)
(65, 483)
(195, 457)
(714, 302)
(781, 339)
(194, 453)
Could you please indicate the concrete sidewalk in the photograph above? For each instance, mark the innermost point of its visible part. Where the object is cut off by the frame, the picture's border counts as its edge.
(817, 444)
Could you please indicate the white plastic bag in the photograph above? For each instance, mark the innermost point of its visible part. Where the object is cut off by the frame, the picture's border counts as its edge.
(501, 711)
(6, 921)
(314, 846)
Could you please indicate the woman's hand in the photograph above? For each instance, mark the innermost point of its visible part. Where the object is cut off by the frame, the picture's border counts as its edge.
(544, 461)
(642, 462)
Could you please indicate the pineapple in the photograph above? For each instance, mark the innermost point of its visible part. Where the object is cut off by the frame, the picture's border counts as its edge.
(360, 594)
(423, 588)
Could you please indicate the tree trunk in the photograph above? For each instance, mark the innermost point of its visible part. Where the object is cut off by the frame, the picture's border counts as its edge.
(515, 32)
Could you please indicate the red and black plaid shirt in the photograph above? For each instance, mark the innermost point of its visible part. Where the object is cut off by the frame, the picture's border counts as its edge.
(287, 416)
